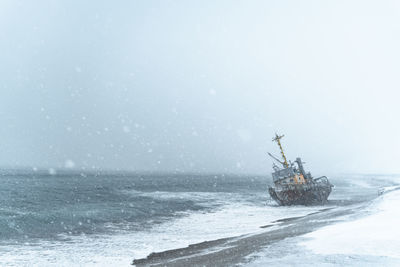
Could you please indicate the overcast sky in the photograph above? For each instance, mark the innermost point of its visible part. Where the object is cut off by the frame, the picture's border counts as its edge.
(200, 86)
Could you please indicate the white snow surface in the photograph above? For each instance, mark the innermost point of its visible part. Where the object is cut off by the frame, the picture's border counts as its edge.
(377, 234)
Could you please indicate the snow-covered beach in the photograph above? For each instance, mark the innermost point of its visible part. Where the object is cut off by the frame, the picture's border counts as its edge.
(377, 234)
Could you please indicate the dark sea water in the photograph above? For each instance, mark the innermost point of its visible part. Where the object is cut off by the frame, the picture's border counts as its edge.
(44, 206)
(111, 218)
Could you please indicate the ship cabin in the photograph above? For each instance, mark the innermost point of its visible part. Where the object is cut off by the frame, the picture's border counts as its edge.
(289, 175)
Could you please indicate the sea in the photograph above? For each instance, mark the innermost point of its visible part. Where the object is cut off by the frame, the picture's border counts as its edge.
(69, 218)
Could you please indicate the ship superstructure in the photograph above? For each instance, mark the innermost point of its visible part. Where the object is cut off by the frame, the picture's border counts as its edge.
(293, 185)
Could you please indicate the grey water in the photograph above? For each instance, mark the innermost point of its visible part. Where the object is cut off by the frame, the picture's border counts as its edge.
(37, 205)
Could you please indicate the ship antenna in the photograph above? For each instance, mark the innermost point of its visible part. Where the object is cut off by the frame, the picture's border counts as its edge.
(278, 140)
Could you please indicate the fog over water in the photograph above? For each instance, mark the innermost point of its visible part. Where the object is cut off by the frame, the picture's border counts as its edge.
(199, 86)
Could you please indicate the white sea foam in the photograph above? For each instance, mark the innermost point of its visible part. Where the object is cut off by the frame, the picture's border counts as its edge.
(121, 249)
(199, 197)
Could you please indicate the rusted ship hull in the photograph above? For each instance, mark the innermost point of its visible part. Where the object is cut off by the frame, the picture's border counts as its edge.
(301, 195)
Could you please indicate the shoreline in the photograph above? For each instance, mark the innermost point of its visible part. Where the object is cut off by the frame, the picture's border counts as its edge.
(234, 250)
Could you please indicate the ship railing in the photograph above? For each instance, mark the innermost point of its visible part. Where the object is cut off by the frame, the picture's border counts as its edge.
(291, 186)
(321, 180)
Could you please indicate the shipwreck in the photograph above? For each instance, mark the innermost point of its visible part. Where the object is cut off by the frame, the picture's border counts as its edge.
(293, 185)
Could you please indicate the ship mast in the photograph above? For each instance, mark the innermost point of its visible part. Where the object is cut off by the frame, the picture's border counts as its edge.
(278, 140)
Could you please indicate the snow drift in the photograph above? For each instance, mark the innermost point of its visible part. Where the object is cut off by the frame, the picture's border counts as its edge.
(377, 234)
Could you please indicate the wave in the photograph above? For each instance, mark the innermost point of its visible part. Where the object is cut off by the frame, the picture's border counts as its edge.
(188, 228)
